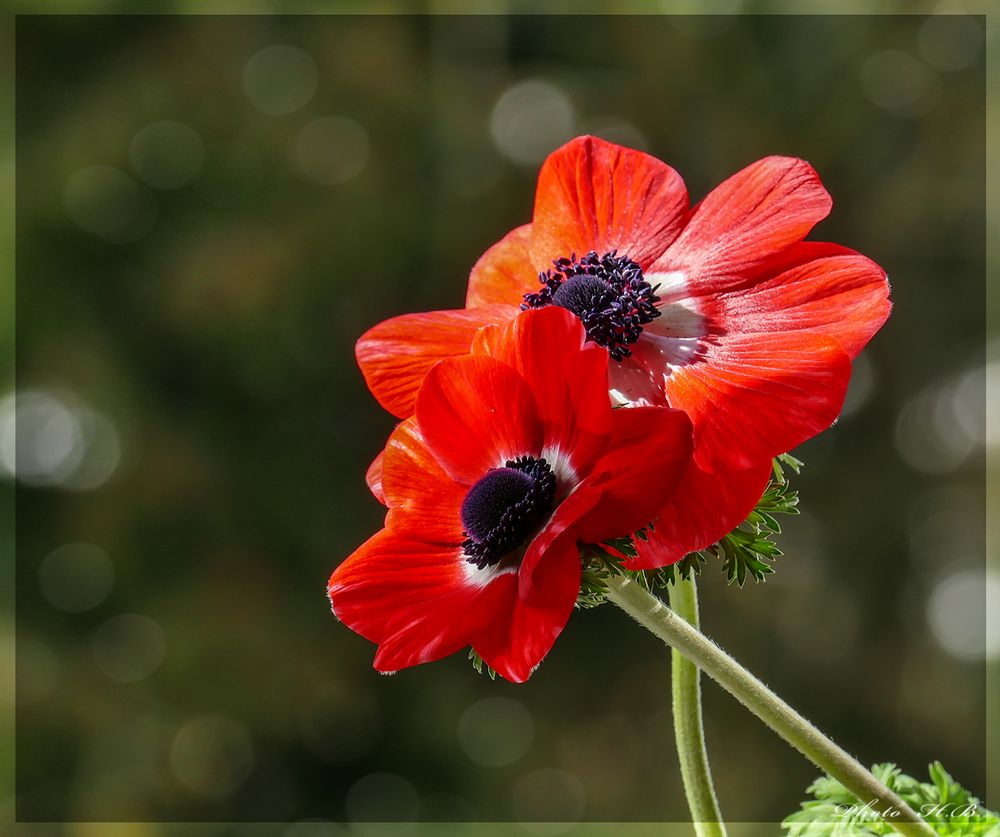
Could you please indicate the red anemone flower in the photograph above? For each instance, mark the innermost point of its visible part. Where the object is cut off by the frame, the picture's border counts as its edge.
(721, 310)
(513, 456)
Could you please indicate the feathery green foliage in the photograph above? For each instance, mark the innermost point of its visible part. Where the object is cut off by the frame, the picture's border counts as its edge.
(835, 812)
(749, 550)
(479, 664)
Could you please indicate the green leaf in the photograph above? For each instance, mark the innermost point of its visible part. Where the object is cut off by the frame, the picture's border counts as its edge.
(479, 664)
(835, 812)
(789, 461)
(749, 550)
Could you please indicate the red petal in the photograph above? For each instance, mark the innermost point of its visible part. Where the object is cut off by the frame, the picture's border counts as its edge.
(751, 397)
(568, 380)
(649, 453)
(593, 195)
(373, 477)
(440, 626)
(703, 509)
(475, 413)
(516, 645)
(395, 355)
(504, 273)
(566, 516)
(831, 291)
(391, 584)
(424, 502)
(745, 221)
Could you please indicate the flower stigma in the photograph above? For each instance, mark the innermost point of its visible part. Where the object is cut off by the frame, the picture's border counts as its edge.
(608, 293)
(503, 508)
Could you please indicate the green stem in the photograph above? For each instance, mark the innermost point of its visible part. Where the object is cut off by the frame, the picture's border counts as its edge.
(656, 617)
(688, 729)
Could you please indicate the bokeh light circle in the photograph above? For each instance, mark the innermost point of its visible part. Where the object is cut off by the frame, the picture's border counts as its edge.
(950, 42)
(109, 204)
(495, 731)
(129, 647)
(280, 79)
(332, 150)
(939, 427)
(211, 756)
(76, 577)
(51, 439)
(531, 119)
(42, 438)
(900, 84)
(957, 612)
(166, 154)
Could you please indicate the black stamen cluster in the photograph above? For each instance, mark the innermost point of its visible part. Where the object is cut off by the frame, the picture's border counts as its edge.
(608, 293)
(501, 509)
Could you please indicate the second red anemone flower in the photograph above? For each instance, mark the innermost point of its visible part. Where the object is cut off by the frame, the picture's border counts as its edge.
(721, 310)
(513, 456)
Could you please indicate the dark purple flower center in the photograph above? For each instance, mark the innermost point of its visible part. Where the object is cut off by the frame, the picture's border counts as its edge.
(503, 508)
(608, 293)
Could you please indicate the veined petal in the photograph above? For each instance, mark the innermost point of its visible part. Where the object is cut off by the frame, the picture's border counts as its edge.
(424, 502)
(704, 508)
(395, 355)
(826, 289)
(444, 624)
(594, 195)
(561, 524)
(744, 222)
(504, 273)
(475, 413)
(373, 476)
(648, 455)
(391, 584)
(515, 646)
(569, 381)
(752, 397)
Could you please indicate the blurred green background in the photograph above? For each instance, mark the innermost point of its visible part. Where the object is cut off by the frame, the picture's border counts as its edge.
(210, 210)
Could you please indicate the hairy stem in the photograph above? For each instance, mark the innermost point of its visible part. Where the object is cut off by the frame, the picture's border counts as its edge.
(688, 729)
(656, 617)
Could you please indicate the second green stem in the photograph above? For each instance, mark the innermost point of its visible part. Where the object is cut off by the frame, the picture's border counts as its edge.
(689, 732)
(656, 617)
